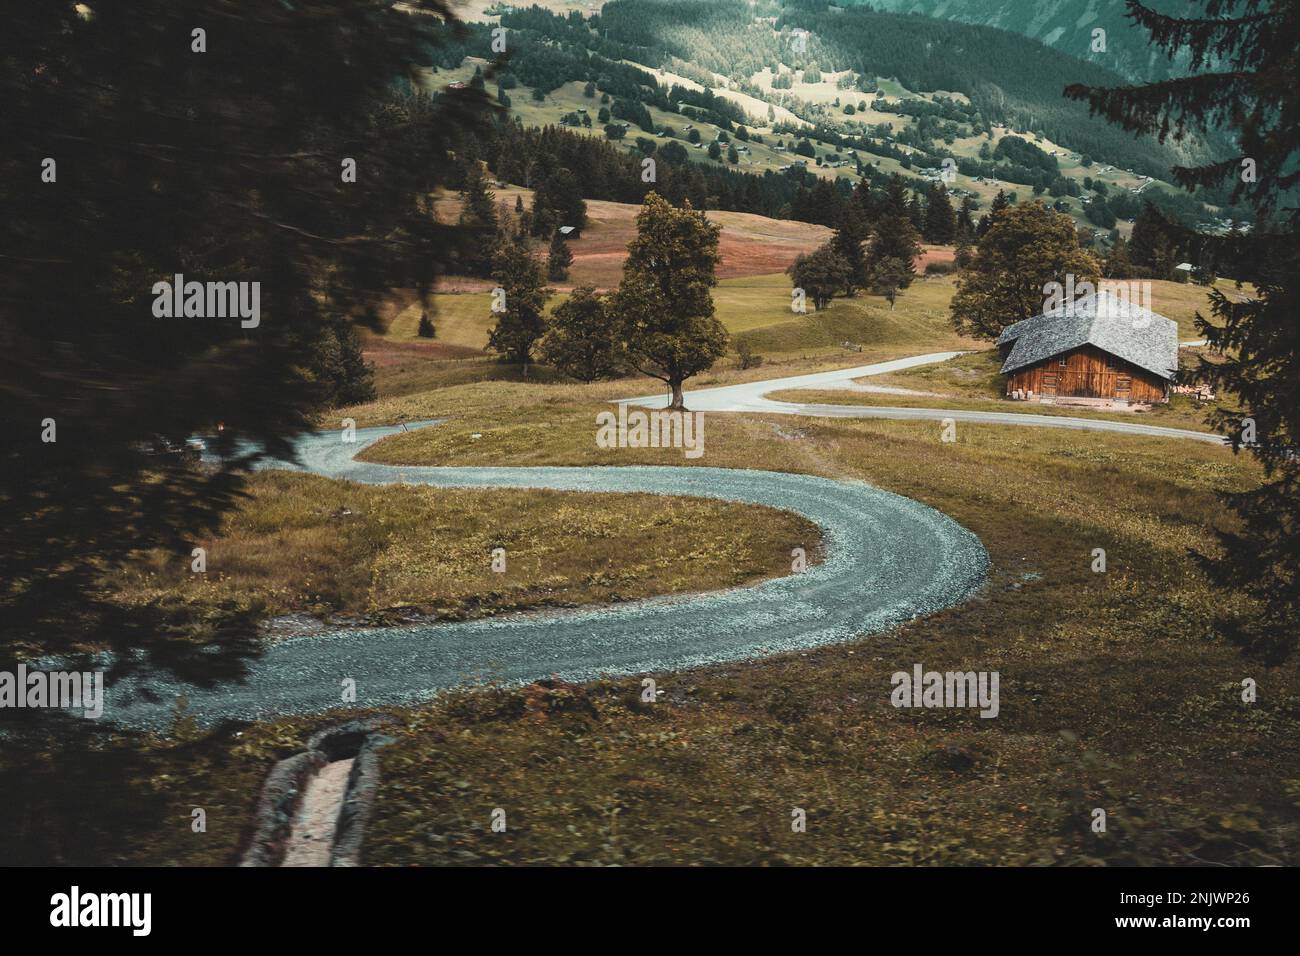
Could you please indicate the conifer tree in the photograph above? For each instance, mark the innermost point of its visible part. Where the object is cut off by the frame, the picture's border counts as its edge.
(1253, 93)
(1149, 228)
(894, 237)
(1118, 263)
(940, 221)
(559, 258)
(247, 163)
(848, 241)
(1000, 202)
(478, 221)
(522, 321)
(966, 215)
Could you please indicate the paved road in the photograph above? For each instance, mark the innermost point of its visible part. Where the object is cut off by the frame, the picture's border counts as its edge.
(888, 559)
(748, 396)
(751, 397)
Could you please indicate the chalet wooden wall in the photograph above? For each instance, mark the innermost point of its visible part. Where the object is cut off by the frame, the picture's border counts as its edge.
(1088, 372)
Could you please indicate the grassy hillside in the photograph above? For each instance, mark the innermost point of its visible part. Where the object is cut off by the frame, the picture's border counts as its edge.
(754, 308)
(710, 773)
(750, 245)
(734, 748)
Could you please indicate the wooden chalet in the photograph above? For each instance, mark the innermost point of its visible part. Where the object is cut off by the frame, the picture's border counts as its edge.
(1098, 347)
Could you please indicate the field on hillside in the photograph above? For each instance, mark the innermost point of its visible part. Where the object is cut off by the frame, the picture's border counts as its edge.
(730, 546)
(749, 244)
(918, 322)
(731, 748)
(1083, 725)
(708, 775)
(1073, 645)
(755, 309)
(747, 305)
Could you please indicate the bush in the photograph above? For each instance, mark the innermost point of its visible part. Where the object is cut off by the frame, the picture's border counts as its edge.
(748, 357)
(581, 340)
(939, 268)
(425, 329)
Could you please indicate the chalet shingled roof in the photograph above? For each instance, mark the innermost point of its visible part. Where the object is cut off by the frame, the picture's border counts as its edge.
(1111, 323)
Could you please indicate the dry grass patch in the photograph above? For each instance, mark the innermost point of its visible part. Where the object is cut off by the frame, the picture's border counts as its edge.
(302, 543)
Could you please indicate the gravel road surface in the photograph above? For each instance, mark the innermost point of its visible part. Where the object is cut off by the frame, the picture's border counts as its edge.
(888, 559)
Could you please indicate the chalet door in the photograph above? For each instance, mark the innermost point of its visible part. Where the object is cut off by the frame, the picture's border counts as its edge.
(1049, 381)
(1123, 386)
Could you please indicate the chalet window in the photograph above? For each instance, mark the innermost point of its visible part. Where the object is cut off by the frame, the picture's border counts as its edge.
(1064, 361)
(1110, 363)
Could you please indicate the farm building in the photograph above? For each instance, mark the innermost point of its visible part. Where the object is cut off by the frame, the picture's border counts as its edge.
(1101, 347)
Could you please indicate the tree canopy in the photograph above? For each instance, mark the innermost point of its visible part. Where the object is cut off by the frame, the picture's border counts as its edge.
(663, 305)
(580, 339)
(137, 150)
(1026, 247)
(1249, 48)
(521, 320)
(821, 273)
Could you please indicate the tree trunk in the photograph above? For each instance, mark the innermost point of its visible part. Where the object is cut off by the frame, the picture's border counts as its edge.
(678, 403)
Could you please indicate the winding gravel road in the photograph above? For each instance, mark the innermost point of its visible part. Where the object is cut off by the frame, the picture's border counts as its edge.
(751, 397)
(888, 559)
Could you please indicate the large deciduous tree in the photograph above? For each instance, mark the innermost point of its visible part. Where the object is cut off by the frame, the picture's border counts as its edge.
(580, 339)
(821, 273)
(1026, 247)
(888, 277)
(663, 305)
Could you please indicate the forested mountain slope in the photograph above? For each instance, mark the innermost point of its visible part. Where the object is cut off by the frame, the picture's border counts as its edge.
(1009, 78)
(1064, 25)
(755, 107)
